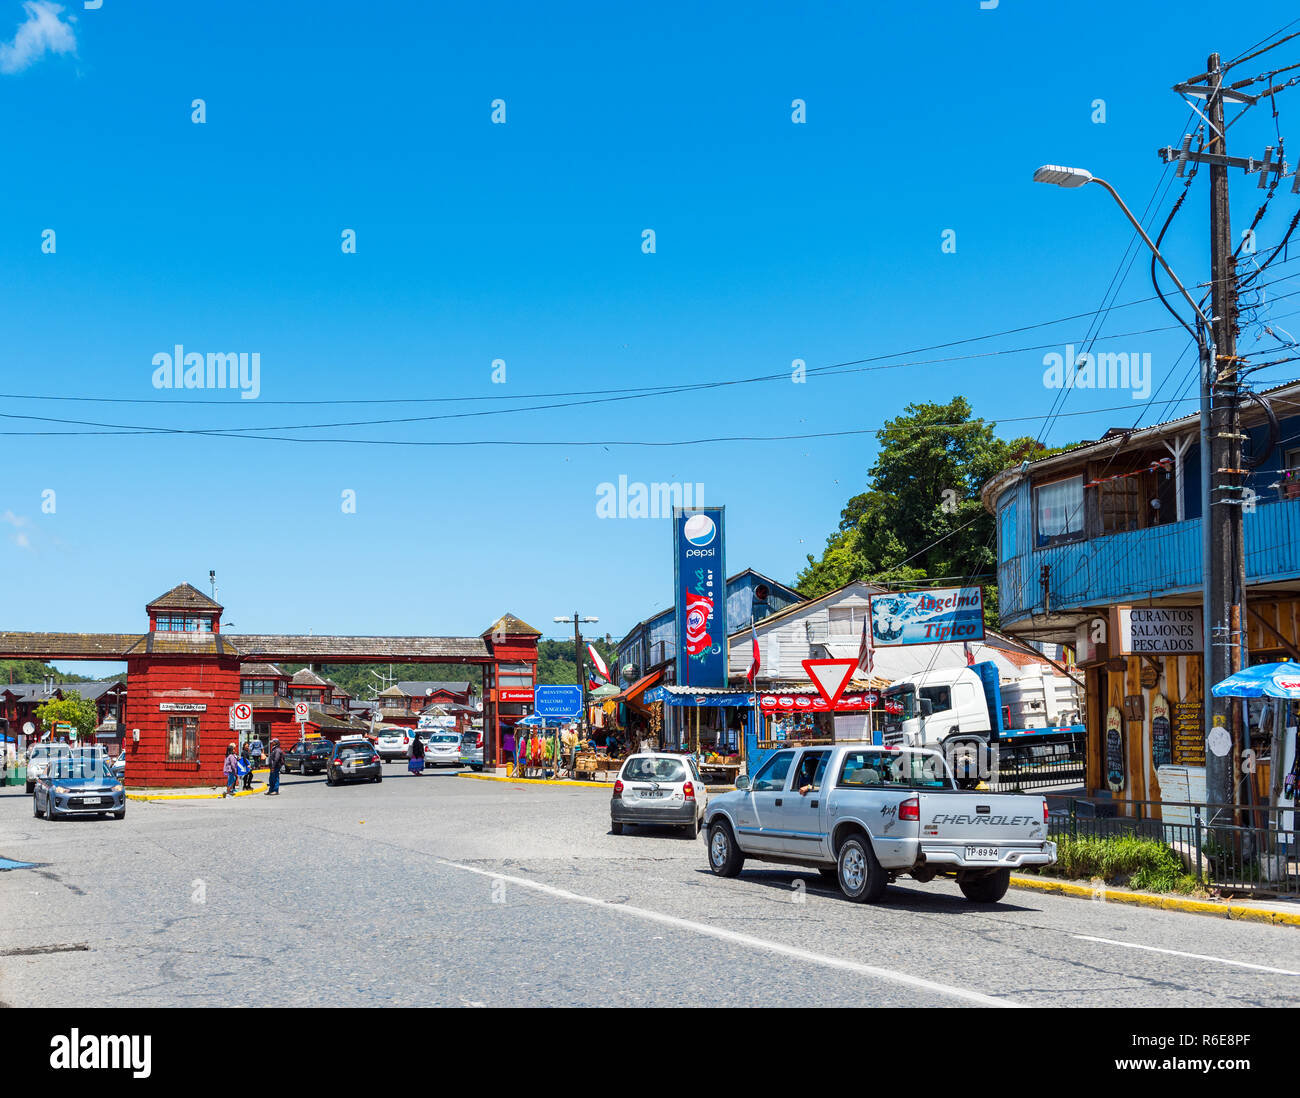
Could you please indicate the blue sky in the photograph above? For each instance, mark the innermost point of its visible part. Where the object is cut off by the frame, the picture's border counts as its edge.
(522, 242)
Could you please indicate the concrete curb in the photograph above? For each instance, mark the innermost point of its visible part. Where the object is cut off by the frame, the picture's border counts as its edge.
(537, 781)
(1228, 910)
(192, 796)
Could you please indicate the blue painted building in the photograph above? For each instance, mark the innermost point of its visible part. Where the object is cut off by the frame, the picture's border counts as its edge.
(651, 642)
(1099, 547)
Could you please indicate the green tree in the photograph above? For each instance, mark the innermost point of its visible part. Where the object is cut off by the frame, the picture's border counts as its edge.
(921, 517)
(71, 709)
(36, 671)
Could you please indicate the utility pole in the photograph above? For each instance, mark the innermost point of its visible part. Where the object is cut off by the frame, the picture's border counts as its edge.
(1227, 552)
(579, 662)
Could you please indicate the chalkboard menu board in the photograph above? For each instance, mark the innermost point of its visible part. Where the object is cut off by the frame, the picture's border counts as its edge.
(1161, 745)
(1189, 733)
(1114, 749)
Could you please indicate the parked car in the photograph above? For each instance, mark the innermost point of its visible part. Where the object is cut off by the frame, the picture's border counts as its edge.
(864, 816)
(117, 767)
(78, 787)
(657, 788)
(354, 761)
(442, 749)
(471, 750)
(309, 756)
(38, 760)
(392, 745)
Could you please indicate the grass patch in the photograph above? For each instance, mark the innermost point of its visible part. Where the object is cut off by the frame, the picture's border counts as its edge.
(1121, 860)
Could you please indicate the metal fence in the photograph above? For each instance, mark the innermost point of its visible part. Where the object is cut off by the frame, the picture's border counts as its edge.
(1238, 848)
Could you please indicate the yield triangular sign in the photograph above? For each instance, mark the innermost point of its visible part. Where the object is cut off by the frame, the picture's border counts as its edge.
(830, 677)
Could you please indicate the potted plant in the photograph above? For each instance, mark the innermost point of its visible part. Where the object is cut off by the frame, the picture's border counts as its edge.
(1289, 486)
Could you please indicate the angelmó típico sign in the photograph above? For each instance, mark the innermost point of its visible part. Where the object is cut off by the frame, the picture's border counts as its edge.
(183, 707)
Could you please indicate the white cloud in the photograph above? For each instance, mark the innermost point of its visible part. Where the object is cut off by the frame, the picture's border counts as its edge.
(20, 538)
(42, 32)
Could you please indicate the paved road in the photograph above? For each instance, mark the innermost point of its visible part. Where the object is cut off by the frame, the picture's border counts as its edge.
(448, 891)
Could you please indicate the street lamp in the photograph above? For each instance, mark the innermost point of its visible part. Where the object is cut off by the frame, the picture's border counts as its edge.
(1061, 176)
(578, 660)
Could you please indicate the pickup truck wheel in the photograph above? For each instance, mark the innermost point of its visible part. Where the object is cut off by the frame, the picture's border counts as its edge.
(987, 890)
(860, 876)
(725, 858)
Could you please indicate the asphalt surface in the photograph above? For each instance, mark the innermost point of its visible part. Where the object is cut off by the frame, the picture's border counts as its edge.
(448, 891)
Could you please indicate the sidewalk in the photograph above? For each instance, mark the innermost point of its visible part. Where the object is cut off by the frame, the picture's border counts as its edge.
(1278, 912)
(213, 792)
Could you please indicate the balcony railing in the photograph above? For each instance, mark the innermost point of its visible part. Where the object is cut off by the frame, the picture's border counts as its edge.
(1140, 564)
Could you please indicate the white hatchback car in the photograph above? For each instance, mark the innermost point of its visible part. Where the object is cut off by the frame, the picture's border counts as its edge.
(658, 788)
(393, 745)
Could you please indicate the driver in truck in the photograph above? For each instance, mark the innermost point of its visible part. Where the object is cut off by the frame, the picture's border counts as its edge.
(811, 768)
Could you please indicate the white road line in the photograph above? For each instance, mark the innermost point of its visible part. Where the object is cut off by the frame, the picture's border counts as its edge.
(745, 939)
(1180, 953)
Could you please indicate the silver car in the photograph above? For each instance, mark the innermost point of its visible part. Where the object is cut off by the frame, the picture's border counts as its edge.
(657, 788)
(81, 786)
(39, 758)
(471, 750)
(442, 749)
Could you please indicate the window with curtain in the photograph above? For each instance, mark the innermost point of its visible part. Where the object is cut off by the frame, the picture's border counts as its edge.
(1059, 511)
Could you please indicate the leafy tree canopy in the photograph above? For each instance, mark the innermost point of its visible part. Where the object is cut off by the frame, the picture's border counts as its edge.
(920, 517)
(71, 709)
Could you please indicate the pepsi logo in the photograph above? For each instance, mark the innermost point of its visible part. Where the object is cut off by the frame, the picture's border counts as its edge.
(699, 530)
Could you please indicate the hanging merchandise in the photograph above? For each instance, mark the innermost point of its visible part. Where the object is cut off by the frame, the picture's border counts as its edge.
(1293, 778)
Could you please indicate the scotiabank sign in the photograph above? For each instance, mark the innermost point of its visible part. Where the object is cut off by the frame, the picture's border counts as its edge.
(815, 703)
(516, 695)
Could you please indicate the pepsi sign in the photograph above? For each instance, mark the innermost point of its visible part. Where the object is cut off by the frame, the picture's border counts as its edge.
(700, 599)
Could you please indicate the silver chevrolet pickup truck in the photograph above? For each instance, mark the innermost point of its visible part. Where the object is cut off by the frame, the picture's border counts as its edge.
(864, 816)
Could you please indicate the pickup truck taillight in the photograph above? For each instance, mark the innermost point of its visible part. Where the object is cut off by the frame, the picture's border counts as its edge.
(688, 791)
(1044, 810)
(910, 809)
(618, 787)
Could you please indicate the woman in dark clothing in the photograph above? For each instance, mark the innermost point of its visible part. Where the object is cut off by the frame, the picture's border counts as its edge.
(246, 756)
(416, 765)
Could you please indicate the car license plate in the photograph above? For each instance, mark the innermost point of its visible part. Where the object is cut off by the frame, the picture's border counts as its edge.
(90, 800)
(982, 853)
(652, 792)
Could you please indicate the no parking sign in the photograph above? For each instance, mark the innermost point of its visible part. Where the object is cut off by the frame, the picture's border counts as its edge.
(241, 717)
(301, 711)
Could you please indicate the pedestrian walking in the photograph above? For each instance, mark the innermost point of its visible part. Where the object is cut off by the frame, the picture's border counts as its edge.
(246, 766)
(230, 767)
(259, 752)
(416, 764)
(277, 761)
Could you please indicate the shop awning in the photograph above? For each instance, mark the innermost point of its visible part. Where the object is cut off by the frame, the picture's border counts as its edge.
(634, 692)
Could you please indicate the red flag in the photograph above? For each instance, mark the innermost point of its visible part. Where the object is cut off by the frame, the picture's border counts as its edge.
(970, 653)
(865, 656)
(595, 658)
(756, 662)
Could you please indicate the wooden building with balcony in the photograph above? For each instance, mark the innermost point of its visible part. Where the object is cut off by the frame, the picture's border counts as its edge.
(1099, 548)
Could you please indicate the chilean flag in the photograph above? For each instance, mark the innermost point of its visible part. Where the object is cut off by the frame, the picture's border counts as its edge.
(595, 658)
(757, 661)
(866, 658)
(970, 653)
